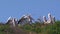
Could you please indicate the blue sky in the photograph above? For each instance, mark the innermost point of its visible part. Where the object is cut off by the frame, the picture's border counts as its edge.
(37, 8)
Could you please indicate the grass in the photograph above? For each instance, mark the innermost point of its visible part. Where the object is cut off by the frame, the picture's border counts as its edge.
(37, 28)
(43, 29)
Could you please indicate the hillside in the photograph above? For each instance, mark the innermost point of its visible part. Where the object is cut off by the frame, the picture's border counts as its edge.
(35, 28)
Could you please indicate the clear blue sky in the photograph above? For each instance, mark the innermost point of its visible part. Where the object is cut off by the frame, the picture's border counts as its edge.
(17, 8)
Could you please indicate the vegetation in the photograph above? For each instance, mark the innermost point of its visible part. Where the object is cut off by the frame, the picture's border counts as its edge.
(43, 29)
(37, 28)
(5, 29)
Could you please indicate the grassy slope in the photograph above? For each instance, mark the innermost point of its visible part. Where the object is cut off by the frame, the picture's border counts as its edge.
(43, 29)
(36, 28)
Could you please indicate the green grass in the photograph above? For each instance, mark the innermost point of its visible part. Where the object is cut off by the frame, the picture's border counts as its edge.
(35, 27)
(5, 29)
(43, 29)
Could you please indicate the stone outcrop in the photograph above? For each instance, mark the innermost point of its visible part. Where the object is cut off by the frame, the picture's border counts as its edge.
(51, 19)
(25, 19)
(12, 21)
